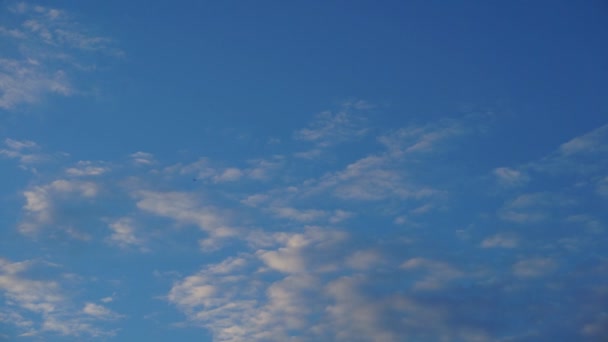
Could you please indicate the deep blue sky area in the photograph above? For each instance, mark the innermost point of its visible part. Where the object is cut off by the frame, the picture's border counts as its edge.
(303, 171)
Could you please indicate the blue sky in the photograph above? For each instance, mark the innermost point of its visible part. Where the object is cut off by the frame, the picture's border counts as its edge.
(303, 171)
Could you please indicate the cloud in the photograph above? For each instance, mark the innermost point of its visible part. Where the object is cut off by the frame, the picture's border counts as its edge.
(330, 128)
(584, 155)
(42, 297)
(186, 209)
(25, 151)
(87, 168)
(42, 202)
(421, 138)
(438, 273)
(510, 177)
(123, 234)
(364, 259)
(298, 248)
(533, 207)
(51, 47)
(372, 178)
(500, 241)
(594, 141)
(99, 312)
(143, 158)
(26, 82)
(598, 328)
(534, 267)
(205, 169)
(602, 187)
(298, 215)
(229, 175)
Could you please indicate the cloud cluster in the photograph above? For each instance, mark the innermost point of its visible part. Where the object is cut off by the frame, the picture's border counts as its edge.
(48, 47)
(373, 248)
(26, 299)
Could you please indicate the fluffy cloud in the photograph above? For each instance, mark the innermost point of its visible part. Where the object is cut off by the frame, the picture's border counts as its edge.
(42, 202)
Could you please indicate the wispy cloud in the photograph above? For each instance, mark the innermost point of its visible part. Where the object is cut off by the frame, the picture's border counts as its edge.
(87, 168)
(25, 151)
(44, 298)
(533, 207)
(186, 209)
(51, 46)
(333, 127)
(534, 267)
(421, 138)
(500, 241)
(99, 312)
(510, 177)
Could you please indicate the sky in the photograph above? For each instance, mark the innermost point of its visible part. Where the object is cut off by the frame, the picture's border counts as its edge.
(304, 171)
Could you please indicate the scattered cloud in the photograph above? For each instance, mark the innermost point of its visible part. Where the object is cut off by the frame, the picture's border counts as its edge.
(421, 138)
(534, 267)
(186, 209)
(330, 128)
(50, 46)
(143, 158)
(594, 141)
(99, 312)
(124, 234)
(500, 241)
(44, 298)
(533, 207)
(510, 177)
(87, 168)
(438, 273)
(25, 151)
(42, 202)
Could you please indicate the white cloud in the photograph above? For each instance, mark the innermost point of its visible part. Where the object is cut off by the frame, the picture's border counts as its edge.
(419, 139)
(123, 233)
(41, 201)
(87, 168)
(143, 158)
(25, 82)
(51, 46)
(602, 187)
(533, 207)
(107, 299)
(330, 128)
(307, 215)
(371, 178)
(534, 267)
(228, 175)
(186, 209)
(43, 298)
(299, 249)
(510, 177)
(594, 141)
(598, 328)
(24, 151)
(205, 169)
(438, 273)
(255, 200)
(364, 259)
(500, 241)
(99, 311)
